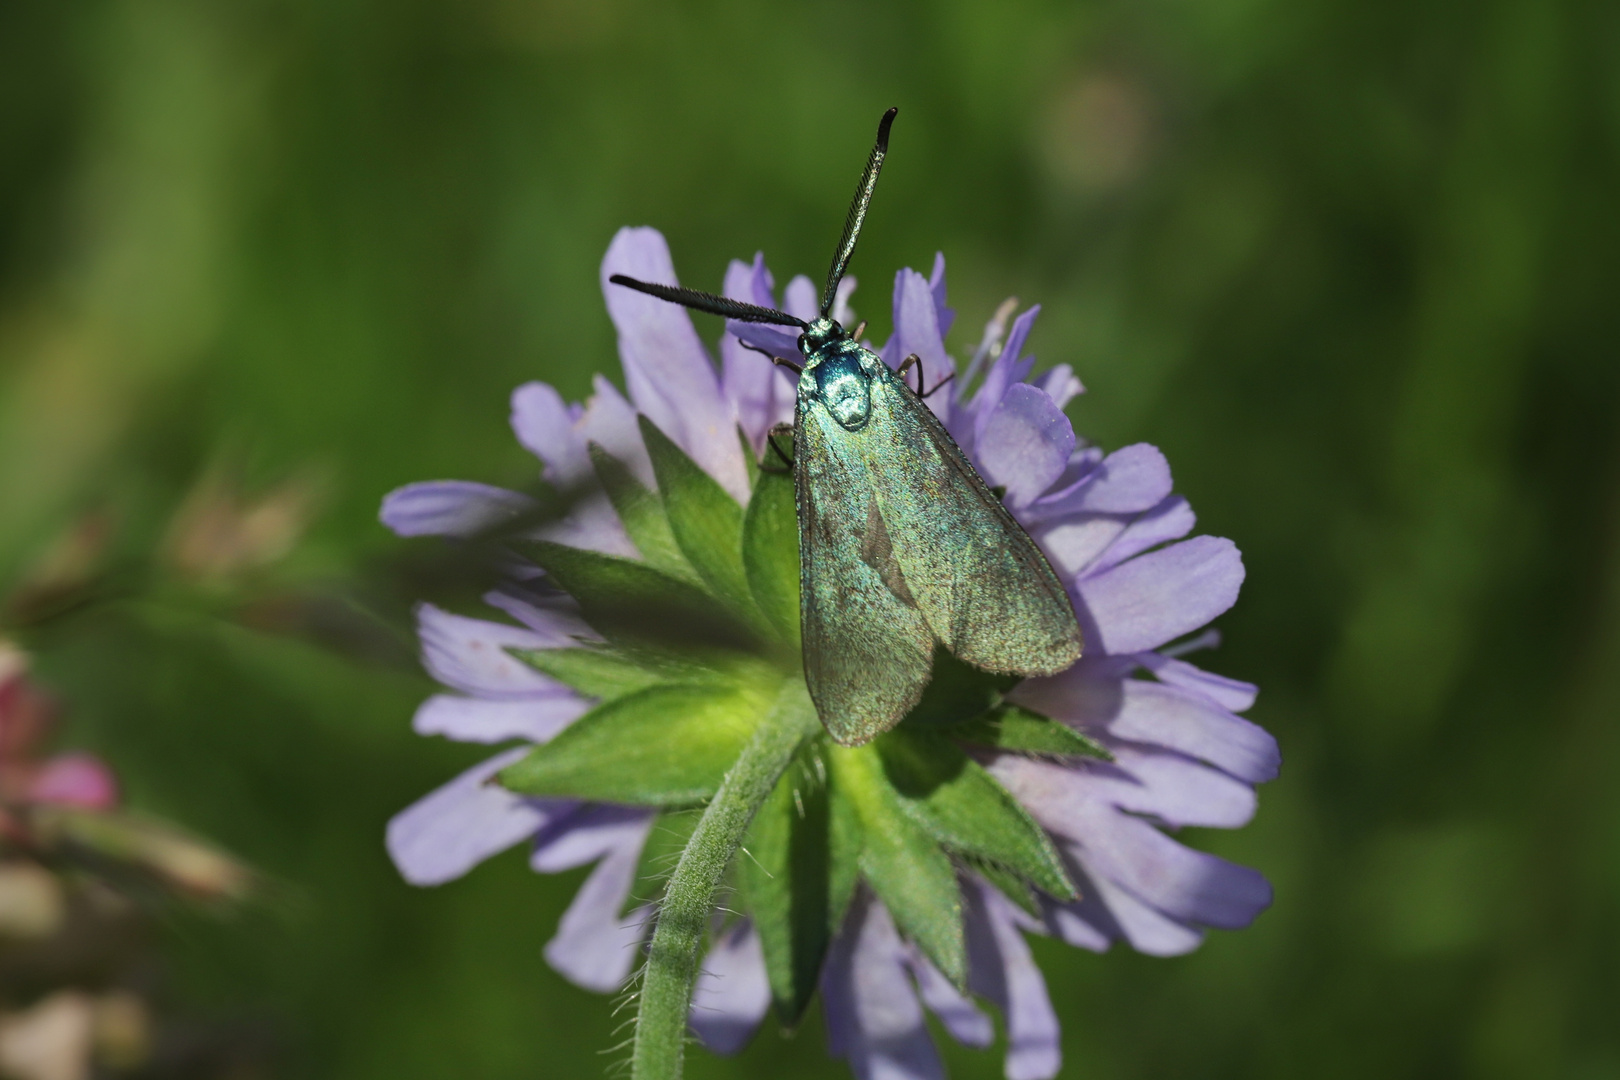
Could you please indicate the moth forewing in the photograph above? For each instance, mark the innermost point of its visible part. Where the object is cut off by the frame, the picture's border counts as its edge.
(867, 649)
(978, 579)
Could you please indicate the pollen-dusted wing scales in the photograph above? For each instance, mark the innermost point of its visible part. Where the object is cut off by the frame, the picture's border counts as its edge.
(901, 543)
(867, 649)
(986, 590)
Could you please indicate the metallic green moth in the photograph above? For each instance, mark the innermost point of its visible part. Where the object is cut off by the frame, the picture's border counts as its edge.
(901, 542)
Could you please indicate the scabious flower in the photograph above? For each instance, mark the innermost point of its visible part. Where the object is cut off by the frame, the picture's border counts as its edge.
(1170, 747)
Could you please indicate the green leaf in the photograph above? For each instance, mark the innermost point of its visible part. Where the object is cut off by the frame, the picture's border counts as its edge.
(750, 461)
(636, 606)
(667, 745)
(778, 454)
(597, 673)
(903, 863)
(845, 838)
(771, 553)
(706, 522)
(798, 875)
(957, 691)
(1009, 884)
(665, 841)
(784, 879)
(1020, 731)
(642, 514)
(964, 808)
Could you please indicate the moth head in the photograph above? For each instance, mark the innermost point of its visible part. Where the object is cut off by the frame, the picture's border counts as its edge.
(819, 334)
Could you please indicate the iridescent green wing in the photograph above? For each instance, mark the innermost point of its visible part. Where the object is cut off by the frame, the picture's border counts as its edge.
(981, 583)
(867, 649)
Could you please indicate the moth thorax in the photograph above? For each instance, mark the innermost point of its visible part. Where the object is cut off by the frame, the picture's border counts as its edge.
(845, 389)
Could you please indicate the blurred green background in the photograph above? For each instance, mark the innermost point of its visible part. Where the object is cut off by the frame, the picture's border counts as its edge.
(1353, 264)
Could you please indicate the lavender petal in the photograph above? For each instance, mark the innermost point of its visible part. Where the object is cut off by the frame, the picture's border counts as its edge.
(1074, 543)
(1174, 790)
(447, 832)
(1161, 595)
(873, 1017)
(669, 375)
(554, 616)
(944, 316)
(1013, 351)
(1099, 700)
(1082, 806)
(1085, 923)
(1002, 969)
(1060, 384)
(762, 393)
(1148, 930)
(967, 1023)
(593, 832)
(1167, 787)
(480, 720)
(842, 313)
(800, 299)
(1194, 725)
(450, 508)
(470, 655)
(1170, 520)
(761, 284)
(1000, 376)
(609, 421)
(1130, 480)
(1024, 444)
(595, 947)
(916, 327)
(1188, 886)
(1233, 694)
(775, 340)
(544, 424)
(732, 991)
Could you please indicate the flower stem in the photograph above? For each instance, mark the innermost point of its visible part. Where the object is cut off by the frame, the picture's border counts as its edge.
(683, 917)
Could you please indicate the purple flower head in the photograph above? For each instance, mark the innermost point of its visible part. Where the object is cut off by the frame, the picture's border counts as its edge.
(1170, 746)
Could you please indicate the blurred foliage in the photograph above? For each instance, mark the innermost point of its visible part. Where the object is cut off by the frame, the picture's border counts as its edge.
(1352, 265)
(82, 882)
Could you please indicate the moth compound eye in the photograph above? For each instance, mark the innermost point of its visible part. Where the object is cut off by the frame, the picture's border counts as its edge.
(846, 391)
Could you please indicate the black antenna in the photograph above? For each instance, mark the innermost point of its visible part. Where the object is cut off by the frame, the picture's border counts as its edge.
(857, 213)
(714, 305)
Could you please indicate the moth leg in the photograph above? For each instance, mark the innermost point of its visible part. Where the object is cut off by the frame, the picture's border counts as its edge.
(790, 365)
(906, 365)
(770, 440)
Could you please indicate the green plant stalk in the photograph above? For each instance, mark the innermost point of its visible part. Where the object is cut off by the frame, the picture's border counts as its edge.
(683, 917)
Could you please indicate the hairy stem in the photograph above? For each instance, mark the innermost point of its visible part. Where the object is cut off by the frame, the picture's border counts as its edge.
(683, 917)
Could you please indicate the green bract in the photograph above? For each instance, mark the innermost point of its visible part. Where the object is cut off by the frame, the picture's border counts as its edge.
(700, 643)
